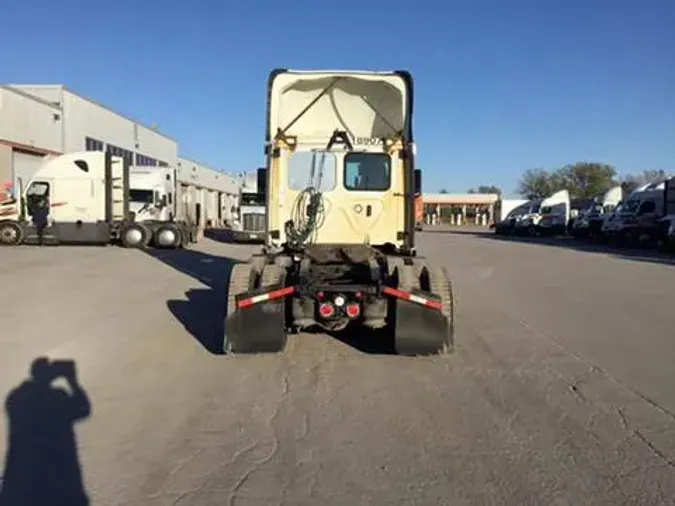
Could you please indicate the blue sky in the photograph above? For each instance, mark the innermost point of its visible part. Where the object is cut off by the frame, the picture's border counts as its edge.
(502, 86)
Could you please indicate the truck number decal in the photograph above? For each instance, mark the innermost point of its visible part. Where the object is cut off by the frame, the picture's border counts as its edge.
(367, 141)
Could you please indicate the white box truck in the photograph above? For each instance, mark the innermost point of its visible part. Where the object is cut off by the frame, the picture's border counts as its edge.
(80, 197)
(155, 204)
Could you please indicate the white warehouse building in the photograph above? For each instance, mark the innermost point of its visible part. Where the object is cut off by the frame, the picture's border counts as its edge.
(215, 194)
(77, 124)
(45, 120)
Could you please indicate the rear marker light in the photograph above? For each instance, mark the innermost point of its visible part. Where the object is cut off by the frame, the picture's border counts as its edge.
(353, 310)
(326, 310)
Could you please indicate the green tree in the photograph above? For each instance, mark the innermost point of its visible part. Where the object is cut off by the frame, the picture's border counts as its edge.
(443, 190)
(582, 179)
(536, 183)
(486, 189)
(585, 180)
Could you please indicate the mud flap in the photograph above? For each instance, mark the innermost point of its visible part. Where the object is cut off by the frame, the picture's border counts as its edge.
(259, 328)
(420, 330)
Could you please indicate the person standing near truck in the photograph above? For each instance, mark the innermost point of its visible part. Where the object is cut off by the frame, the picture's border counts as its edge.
(40, 212)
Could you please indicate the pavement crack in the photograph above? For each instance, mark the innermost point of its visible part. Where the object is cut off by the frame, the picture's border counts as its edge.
(655, 451)
(641, 437)
(593, 367)
(271, 423)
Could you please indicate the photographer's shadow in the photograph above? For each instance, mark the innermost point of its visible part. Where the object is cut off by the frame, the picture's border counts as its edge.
(42, 465)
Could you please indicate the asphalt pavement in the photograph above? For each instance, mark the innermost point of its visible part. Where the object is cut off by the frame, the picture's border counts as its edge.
(560, 392)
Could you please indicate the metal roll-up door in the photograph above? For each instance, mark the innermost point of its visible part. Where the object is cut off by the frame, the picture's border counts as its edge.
(24, 166)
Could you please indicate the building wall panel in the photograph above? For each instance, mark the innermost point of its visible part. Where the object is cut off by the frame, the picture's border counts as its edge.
(28, 122)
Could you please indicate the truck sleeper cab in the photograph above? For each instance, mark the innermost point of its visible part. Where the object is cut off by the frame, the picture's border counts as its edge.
(154, 204)
(339, 250)
(554, 215)
(667, 223)
(76, 198)
(73, 198)
(639, 215)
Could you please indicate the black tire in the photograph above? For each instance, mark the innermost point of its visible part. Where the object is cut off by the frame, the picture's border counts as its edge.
(259, 263)
(242, 279)
(167, 236)
(275, 275)
(408, 278)
(11, 234)
(393, 263)
(135, 236)
(440, 284)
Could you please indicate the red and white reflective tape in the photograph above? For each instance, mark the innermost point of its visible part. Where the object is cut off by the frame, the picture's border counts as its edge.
(263, 297)
(411, 297)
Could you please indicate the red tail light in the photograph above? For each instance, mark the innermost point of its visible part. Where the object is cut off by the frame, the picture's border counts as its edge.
(326, 309)
(353, 310)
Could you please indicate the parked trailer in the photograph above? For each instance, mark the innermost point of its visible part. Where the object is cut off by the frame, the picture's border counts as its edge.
(154, 204)
(79, 197)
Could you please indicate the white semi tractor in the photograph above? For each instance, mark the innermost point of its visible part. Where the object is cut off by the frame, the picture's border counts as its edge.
(80, 197)
(667, 223)
(156, 204)
(637, 219)
(250, 221)
(590, 220)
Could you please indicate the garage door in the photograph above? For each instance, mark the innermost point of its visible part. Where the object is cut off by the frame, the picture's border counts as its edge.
(24, 166)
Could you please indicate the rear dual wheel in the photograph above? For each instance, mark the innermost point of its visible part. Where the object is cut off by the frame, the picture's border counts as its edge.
(244, 278)
(135, 236)
(414, 341)
(168, 236)
(440, 284)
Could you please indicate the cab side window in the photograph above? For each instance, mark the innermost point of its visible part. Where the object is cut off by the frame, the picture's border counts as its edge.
(367, 172)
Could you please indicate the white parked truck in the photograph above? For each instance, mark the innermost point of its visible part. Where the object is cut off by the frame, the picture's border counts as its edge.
(78, 197)
(157, 207)
(667, 223)
(637, 218)
(249, 224)
(554, 214)
(505, 212)
(590, 220)
(339, 250)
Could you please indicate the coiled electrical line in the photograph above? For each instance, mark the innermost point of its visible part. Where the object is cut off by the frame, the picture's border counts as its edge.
(307, 214)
